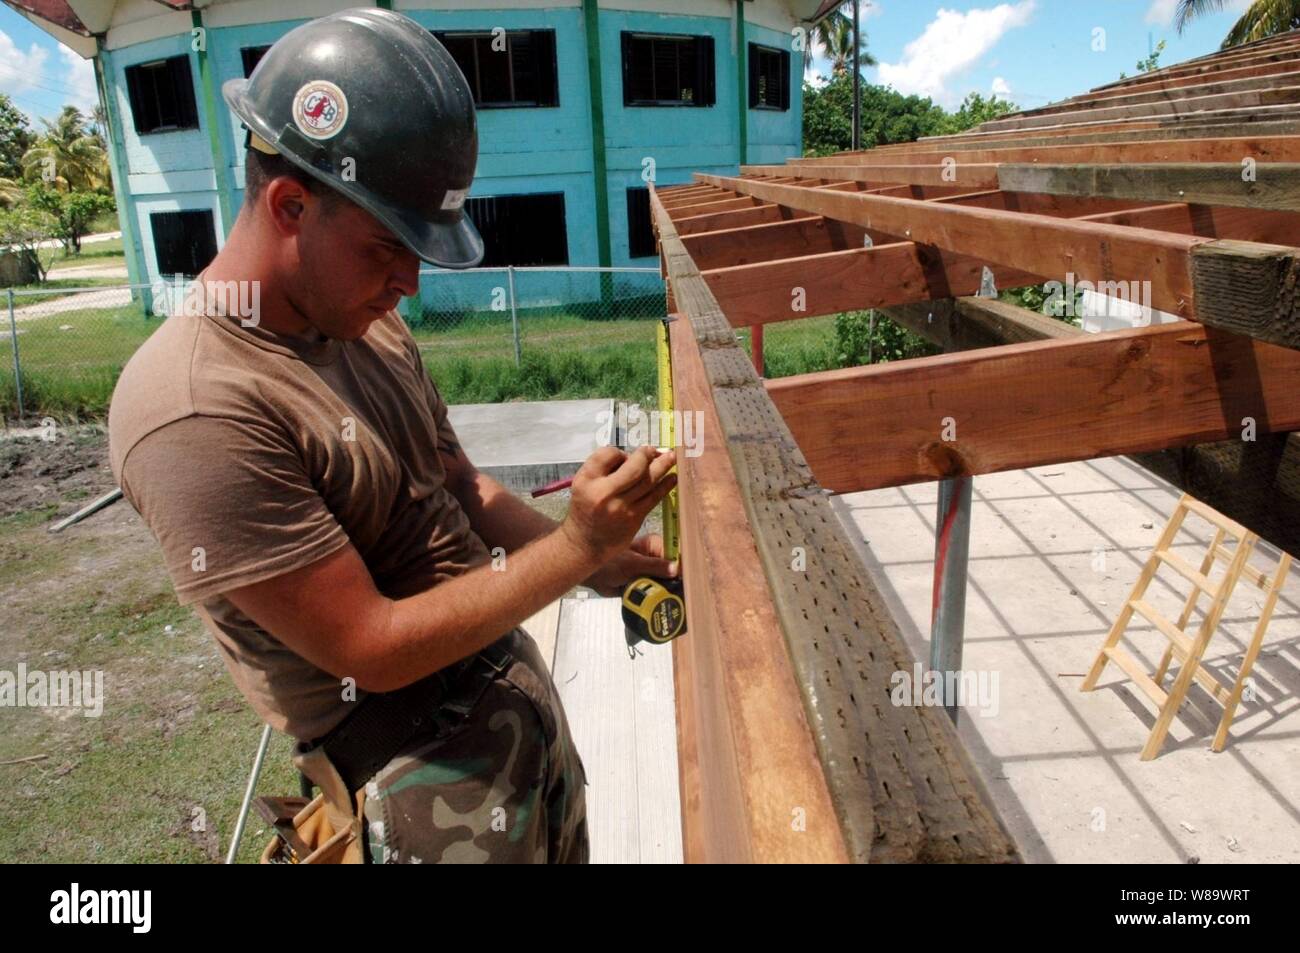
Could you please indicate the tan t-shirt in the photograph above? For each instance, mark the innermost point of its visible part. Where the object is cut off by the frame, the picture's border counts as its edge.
(251, 454)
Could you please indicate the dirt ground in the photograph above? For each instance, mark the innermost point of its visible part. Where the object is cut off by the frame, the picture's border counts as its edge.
(159, 775)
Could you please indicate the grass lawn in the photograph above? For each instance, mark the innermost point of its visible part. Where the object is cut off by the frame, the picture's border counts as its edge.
(158, 776)
(94, 253)
(71, 360)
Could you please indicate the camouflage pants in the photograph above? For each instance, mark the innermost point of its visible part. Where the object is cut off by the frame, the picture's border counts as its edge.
(504, 786)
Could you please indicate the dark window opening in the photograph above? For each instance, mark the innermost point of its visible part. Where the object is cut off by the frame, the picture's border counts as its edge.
(769, 78)
(183, 242)
(640, 236)
(252, 55)
(517, 71)
(521, 229)
(667, 70)
(162, 95)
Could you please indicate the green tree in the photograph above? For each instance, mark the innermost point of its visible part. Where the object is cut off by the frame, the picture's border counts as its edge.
(866, 337)
(15, 138)
(975, 109)
(1151, 63)
(1263, 18)
(11, 192)
(887, 116)
(68, 155)
(835, 35)
(72, 212)
(23, 229)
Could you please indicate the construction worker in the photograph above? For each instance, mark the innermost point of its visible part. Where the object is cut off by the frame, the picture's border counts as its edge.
(310, 496)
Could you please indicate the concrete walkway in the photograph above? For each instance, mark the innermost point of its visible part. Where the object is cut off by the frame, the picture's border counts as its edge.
(621, 712)
(1054, 554)
(90, 271)
(527, 444)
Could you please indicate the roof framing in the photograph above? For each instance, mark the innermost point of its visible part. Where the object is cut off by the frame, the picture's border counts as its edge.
(1180, 185)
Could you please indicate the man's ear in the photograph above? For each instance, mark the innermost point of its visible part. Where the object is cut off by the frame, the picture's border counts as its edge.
(285, 200)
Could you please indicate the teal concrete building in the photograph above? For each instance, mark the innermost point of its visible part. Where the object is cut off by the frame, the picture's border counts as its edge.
(580, 103)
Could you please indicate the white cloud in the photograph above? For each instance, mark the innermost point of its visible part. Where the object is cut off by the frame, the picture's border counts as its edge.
(79, 78)
(41, 88)
(1001, 87)
(19, 70)
(951, 43)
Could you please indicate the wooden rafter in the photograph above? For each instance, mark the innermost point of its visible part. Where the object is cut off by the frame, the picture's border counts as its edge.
(1026, 405)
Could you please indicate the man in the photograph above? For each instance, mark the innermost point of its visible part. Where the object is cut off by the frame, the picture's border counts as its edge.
(310, 496)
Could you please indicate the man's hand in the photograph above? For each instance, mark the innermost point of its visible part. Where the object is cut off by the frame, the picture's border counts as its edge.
(645, 557)
(612, 494)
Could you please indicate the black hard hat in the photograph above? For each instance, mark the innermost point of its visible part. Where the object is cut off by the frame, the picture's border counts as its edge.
(376, 88)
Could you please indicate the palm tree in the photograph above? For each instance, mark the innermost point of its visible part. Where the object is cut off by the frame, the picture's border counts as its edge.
(1263, 18)
(71, 150)
(11, 193)
(835, 35)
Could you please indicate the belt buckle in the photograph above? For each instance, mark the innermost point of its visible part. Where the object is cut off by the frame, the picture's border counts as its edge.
(498, 659)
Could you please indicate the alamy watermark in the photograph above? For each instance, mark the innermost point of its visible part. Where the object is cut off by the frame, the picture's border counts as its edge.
(654, 428)
(130, 907)
(184, 296)
(1118, 299)
(968, 688)
(38, 689)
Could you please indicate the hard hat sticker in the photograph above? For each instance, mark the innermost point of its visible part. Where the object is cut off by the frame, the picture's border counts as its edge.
(454, 198)
(320, 109)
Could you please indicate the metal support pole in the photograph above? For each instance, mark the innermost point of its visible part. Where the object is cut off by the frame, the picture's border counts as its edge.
(948, 609)
(18, 366)
(514, 312)
(248, 794)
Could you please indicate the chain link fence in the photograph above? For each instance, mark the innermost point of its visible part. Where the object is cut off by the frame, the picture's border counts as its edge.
(486, 335)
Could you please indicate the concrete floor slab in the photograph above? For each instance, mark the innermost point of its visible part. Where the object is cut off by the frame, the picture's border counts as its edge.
(1055, 552)
(526, 444)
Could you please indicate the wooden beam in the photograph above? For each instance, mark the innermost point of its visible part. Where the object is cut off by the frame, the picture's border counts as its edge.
(742, 775)
(1209, 221)
(968, 175)
(755, 243)
(1262, 185)
(804, 287)
(1244, 287)
(1249, 289)
(1035, 244)
(1255, 482)
(720, 221)
(902, 787)
(693, 223)
(962, 324)
(1039, 403)
(1199, 149)
(724, 204)
(1248, 99)
(1280, 74)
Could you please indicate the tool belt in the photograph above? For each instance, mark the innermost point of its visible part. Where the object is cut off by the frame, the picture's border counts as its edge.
(327, 829)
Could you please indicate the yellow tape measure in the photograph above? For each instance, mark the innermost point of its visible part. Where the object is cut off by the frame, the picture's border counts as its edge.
(654, 610)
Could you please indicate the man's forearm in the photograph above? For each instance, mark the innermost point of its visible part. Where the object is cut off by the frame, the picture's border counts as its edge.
(456, 618)
(498, 516)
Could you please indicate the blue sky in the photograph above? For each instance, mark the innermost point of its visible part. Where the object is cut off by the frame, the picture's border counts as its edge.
(1032, 51)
